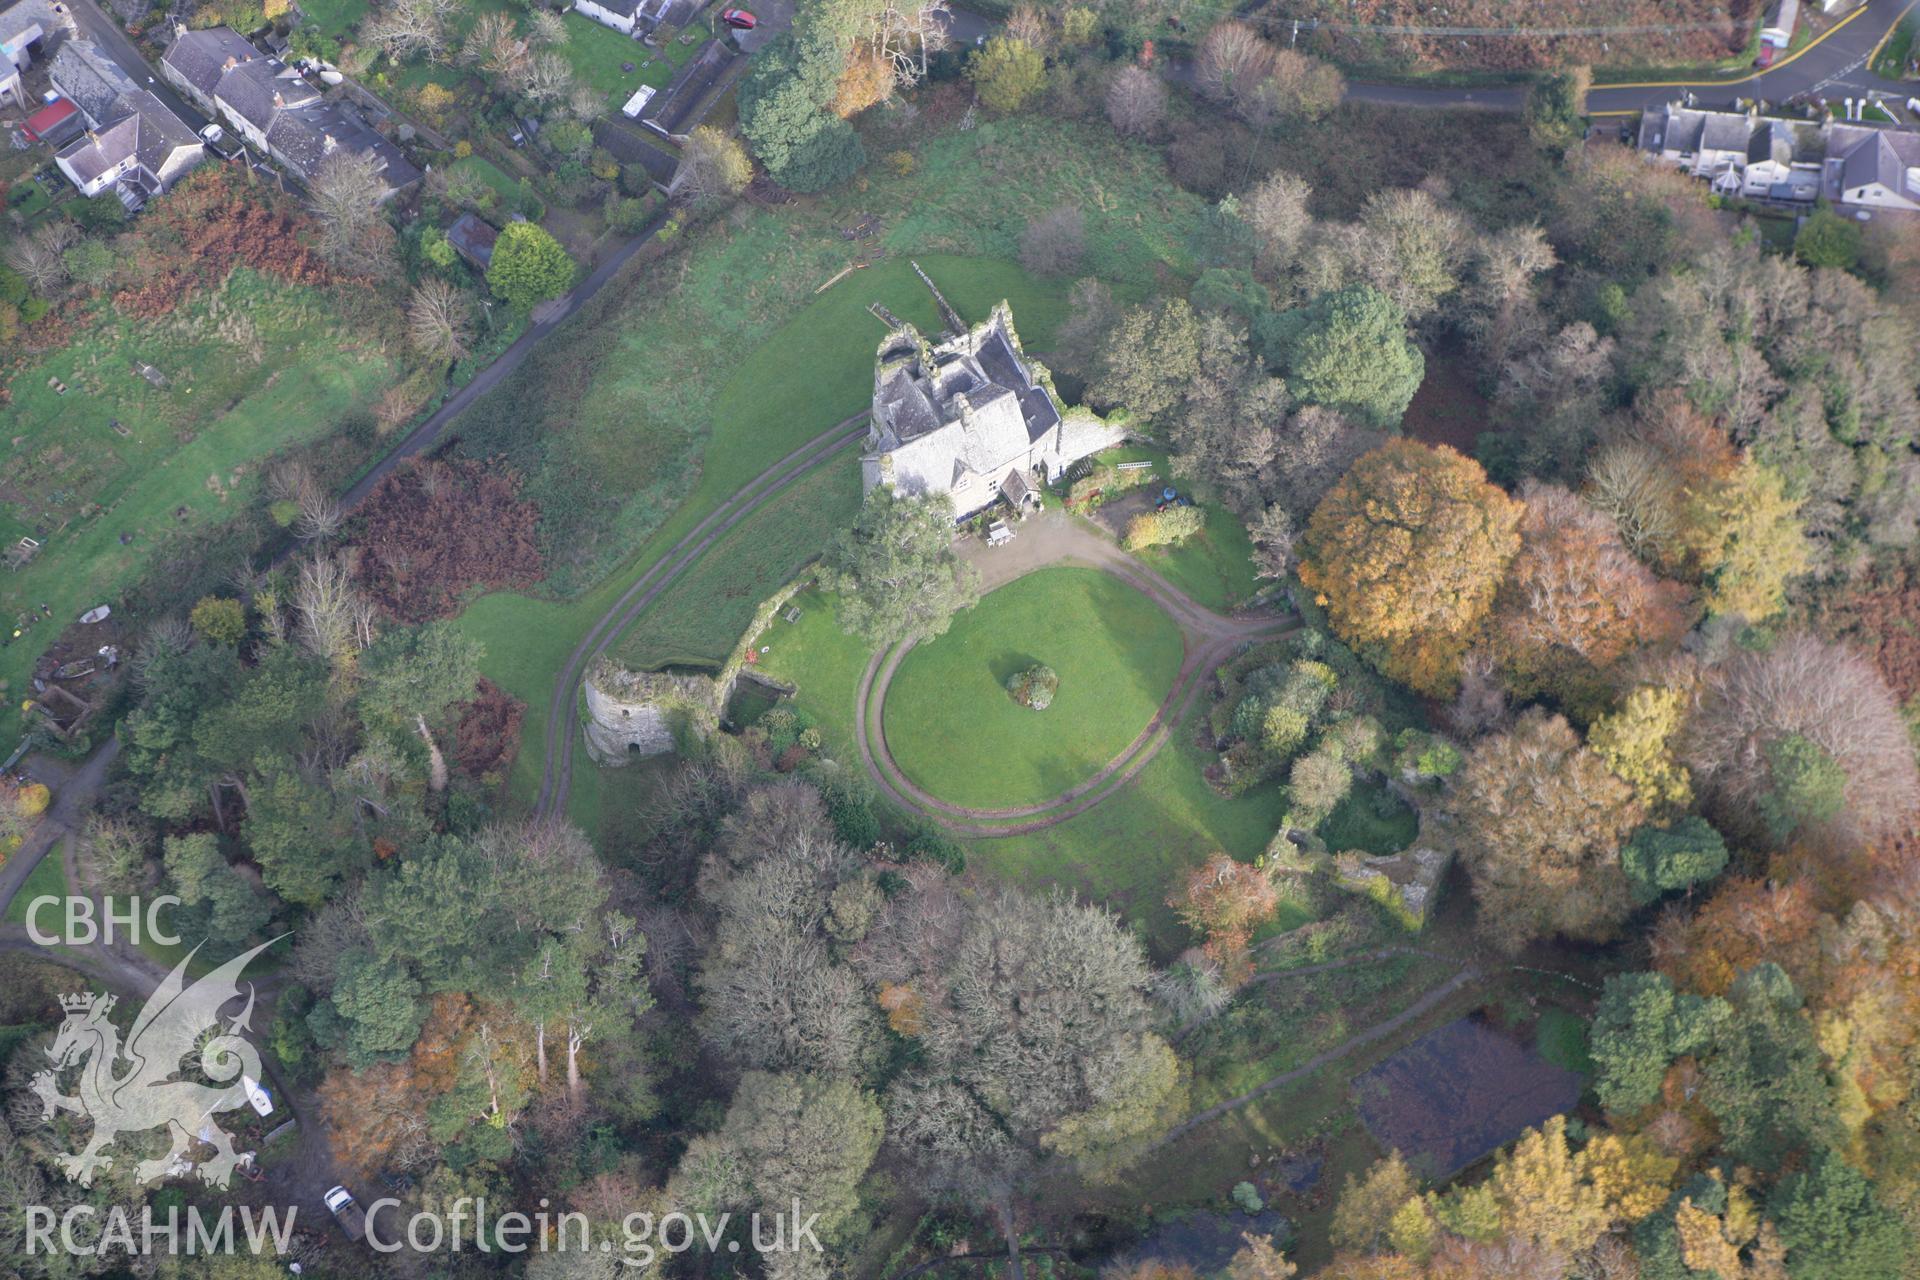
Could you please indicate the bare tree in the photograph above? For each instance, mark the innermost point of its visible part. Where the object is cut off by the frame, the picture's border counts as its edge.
(320, 515)
(407, 29)
(1136, 101)
(1233, 61)
(345, 197)
(1273, 536)
(1276, 209)
(38, 256)
(1630, 482)
(439, 320)
(904, 33)
(547, 28)
(1295, 85)
(548, 77)
(1031, 25)
(586, 104)
(1823, 695)
(327, 607)
(713, 166)
(1054, 242)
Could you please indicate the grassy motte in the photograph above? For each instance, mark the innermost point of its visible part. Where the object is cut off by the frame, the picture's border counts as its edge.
(953, 728)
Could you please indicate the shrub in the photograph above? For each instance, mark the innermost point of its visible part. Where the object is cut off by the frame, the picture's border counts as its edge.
(1826, 239)
(1159, 528)
(220, 621)
(1034, 687)
(928, 843)
(31, 800)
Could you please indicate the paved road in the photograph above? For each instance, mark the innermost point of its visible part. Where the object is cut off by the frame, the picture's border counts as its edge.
(1832, 67)
(97, 26)
(73, 793)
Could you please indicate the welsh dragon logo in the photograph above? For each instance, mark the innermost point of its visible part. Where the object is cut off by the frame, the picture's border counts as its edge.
(132, 1088)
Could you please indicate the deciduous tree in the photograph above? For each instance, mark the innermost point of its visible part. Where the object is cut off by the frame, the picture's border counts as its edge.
(1542, 820)
(1407, 552)
(529, 266)
(1007, 73)
(895, 569)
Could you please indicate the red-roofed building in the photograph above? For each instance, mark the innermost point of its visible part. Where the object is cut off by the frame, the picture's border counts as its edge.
(57, 122)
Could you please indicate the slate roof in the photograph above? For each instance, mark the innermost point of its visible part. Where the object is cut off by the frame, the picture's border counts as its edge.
(142, 128)
(1883, 157)
(90, 78)
(201, 57)
(620, 8)
(473, 239)
(1771, 140)
(1724, 131)
(672, 109)
(968, 404)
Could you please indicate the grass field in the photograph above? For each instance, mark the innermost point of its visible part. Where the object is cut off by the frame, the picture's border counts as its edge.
(825, 664)
(597, 53)
(251, 368)
(48, 879)
(1215, 566)
(699, 619)
(811, 372)
(335, 18)
(1127, 851)
(955, 731)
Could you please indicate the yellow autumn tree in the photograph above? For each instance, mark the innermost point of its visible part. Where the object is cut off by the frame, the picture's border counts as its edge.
(1407, 552)
(1542, 1196)
(1745, 538)
(1630, 1174)
(1363, 1217)
(1637, 742)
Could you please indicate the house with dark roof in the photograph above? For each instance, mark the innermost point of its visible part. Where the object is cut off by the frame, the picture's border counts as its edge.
(683, 104)
(473, 240)
(1707, 144)
(970, 415)
(140, 152)
(1873, 168)
(93, 81)
(273, 108)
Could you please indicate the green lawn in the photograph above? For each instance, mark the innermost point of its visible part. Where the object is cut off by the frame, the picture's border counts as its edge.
(1128, 851)
(954, 730)
(1892, 62)
(1215, 567)
(597, 54)
(335, 18)
(824, 664)
(699, 619)
(506, 189)
(252, 368)
(47, 880)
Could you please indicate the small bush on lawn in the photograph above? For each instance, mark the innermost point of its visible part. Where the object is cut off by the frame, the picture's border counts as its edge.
(1035, 686)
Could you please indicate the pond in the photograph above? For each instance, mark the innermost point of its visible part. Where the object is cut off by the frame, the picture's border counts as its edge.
(1459, 1092)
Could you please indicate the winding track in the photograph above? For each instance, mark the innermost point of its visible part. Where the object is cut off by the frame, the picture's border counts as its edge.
(557, 778)
(1210, 639)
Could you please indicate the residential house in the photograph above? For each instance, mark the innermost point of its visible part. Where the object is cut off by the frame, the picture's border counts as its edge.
(473, 240)
(94, 82)
(621, 15)
(28, 30)
(971, 416)
(1707, 144)
(1785, 161)
(272, 107)
(639, 18)
(1873, 168)
(140, 152)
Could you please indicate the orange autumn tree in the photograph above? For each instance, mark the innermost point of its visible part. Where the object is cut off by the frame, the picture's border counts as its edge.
(1227, 901)
(1407, 552)
(1576, 602)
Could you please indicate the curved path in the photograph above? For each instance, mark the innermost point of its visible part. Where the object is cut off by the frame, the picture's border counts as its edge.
(1053, 539)
(557, 778)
